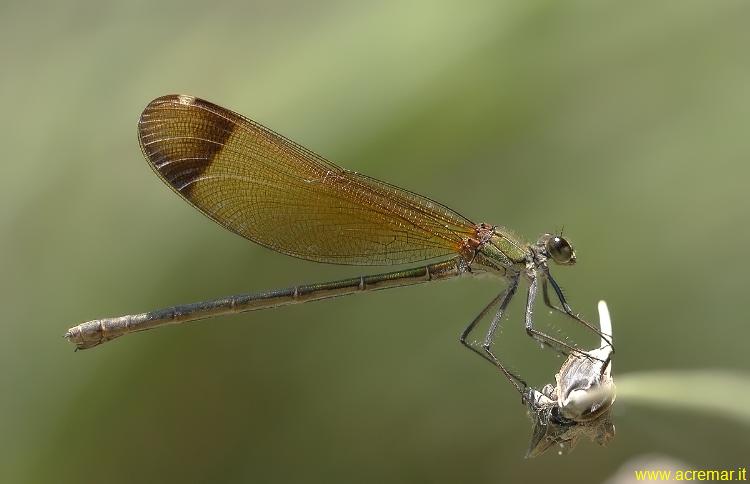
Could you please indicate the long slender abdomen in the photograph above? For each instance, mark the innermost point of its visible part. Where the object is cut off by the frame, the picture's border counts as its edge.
(98, 331)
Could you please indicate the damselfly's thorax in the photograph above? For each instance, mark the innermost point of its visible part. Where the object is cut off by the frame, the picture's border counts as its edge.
(497, 249)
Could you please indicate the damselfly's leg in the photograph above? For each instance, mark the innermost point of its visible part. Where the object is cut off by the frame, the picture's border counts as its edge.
(495, 323)
(566, 309)
(547, 302)
(501, 301)
(544, 338)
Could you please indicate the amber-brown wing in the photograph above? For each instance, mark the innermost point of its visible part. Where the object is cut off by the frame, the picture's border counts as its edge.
(276, 193)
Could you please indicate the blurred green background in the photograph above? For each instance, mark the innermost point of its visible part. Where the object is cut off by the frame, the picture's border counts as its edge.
(624, 122)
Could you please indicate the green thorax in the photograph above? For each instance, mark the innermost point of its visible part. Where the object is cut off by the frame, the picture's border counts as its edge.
(504, 252)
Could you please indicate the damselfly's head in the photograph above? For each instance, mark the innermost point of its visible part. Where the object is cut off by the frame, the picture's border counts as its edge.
(557, 248)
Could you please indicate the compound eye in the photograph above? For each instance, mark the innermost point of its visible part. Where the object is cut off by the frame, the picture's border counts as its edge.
(560, 250)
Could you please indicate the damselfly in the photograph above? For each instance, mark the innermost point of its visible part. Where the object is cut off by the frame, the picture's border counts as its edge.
(280, 195)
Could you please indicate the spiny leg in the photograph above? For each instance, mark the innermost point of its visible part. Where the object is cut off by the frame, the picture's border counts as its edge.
(566, 309)
(547, 302)
(569, 312)
(544, 338)
(502, 301)
(507, 296)
(496, 319)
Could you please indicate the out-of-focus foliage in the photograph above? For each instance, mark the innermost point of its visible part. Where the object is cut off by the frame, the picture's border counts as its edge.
(716, 392)
(625, 122)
